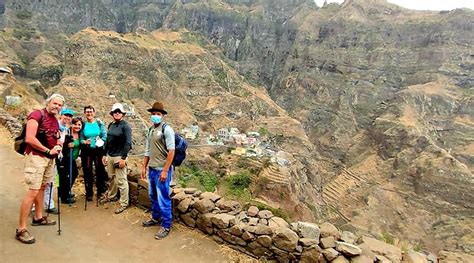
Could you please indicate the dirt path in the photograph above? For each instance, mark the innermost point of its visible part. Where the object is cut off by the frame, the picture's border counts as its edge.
(95, 235)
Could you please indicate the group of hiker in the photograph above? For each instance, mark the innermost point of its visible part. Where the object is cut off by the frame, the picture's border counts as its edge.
(55, 138)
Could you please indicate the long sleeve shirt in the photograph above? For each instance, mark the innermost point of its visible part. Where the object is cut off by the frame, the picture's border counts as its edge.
(119, 139)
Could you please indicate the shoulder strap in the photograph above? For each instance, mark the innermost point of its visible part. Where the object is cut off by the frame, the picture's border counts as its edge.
(163, 126)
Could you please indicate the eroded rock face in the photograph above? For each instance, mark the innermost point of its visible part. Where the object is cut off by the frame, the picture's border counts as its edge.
(368, 91)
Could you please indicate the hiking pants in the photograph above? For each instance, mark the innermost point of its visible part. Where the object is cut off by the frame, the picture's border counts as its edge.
(65, 181)
(160, 196)
(118, 180)
(93, 156)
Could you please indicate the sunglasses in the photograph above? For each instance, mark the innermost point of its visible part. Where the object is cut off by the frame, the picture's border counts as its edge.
(117, 111)
(89, 111)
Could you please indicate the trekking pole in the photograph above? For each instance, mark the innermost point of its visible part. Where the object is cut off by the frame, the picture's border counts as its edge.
(49, 200)
(59, 214)
(70, 176)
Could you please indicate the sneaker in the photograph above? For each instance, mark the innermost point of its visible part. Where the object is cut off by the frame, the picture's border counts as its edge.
(105, 199)
(162, 233)
(70, 201)
(120, 209)
(53, 210)
(44, 221)
(24, 236)
(151, 222)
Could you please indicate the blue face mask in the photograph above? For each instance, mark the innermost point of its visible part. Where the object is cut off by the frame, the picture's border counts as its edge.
(156, 119)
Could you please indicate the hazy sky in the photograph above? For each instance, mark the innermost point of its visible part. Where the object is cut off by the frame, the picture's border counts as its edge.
(422, 4)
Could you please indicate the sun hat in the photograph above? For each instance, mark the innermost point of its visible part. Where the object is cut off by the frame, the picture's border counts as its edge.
(158, 106)
(117, 106)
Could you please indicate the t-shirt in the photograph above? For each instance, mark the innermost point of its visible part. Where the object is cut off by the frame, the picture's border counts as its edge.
(91, 131)
(155, 145)
(49, 127)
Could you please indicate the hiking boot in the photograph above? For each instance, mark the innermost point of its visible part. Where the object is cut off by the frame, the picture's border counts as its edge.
(44, 221)
(162, 233)
(89, 199)
(120, 209)
(53, 210)
(105, 199)
(24, 236)
(151, 222)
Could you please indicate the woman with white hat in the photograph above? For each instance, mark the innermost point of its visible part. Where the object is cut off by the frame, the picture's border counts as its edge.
(117, 146)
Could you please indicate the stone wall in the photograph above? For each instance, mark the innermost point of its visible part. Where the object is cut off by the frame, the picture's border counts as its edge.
(262, 235)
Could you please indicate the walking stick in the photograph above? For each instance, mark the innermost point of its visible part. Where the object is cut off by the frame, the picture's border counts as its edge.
(70, 176)
(49, 200)
(59, 215)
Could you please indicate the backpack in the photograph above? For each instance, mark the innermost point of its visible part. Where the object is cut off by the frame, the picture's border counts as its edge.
(180, 146)
(20, 144)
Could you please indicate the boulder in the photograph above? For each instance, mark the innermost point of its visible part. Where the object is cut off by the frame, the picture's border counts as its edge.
(184, 205)
(414, 257)
(211, 196)
(188, 220)
(330, 254)
(178, 197)
(265, 214)
(327, 242)
(391, 252)
(236, 230)
(247, 236)
(252, 211)
(228, 205)
(190, 191)
(283, 256)
(286, 239)
(263, 222)
(223, 220)
(276, 222)
(253, 221)
(264, 240)
(348, 249)
(242, 217)
(263, 230)
(348, 237)
(204, 223)
(308, 230)
(307, 242)
(328, 229)
(312, 254)
(204, 206)
(258, 250)
(231, 238)
(340, 259)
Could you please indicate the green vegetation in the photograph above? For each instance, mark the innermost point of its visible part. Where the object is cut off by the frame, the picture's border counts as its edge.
(388, 238)
(194, 177)
(263, 131)
(276, 211)
(24, 33)
(24, 14)
(237, 187)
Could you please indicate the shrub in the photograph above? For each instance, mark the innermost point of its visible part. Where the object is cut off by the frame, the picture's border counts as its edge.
(239, 181)
(24, 14)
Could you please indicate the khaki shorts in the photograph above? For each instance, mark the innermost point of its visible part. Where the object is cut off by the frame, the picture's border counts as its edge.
(38, 171)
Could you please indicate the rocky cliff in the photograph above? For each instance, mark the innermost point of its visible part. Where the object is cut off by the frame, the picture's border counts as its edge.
(374, 101)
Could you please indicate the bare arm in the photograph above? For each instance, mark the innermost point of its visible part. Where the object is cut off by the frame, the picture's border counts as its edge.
(30, 138)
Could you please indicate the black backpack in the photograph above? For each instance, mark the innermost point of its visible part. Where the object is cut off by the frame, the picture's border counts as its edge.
(20, 144)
